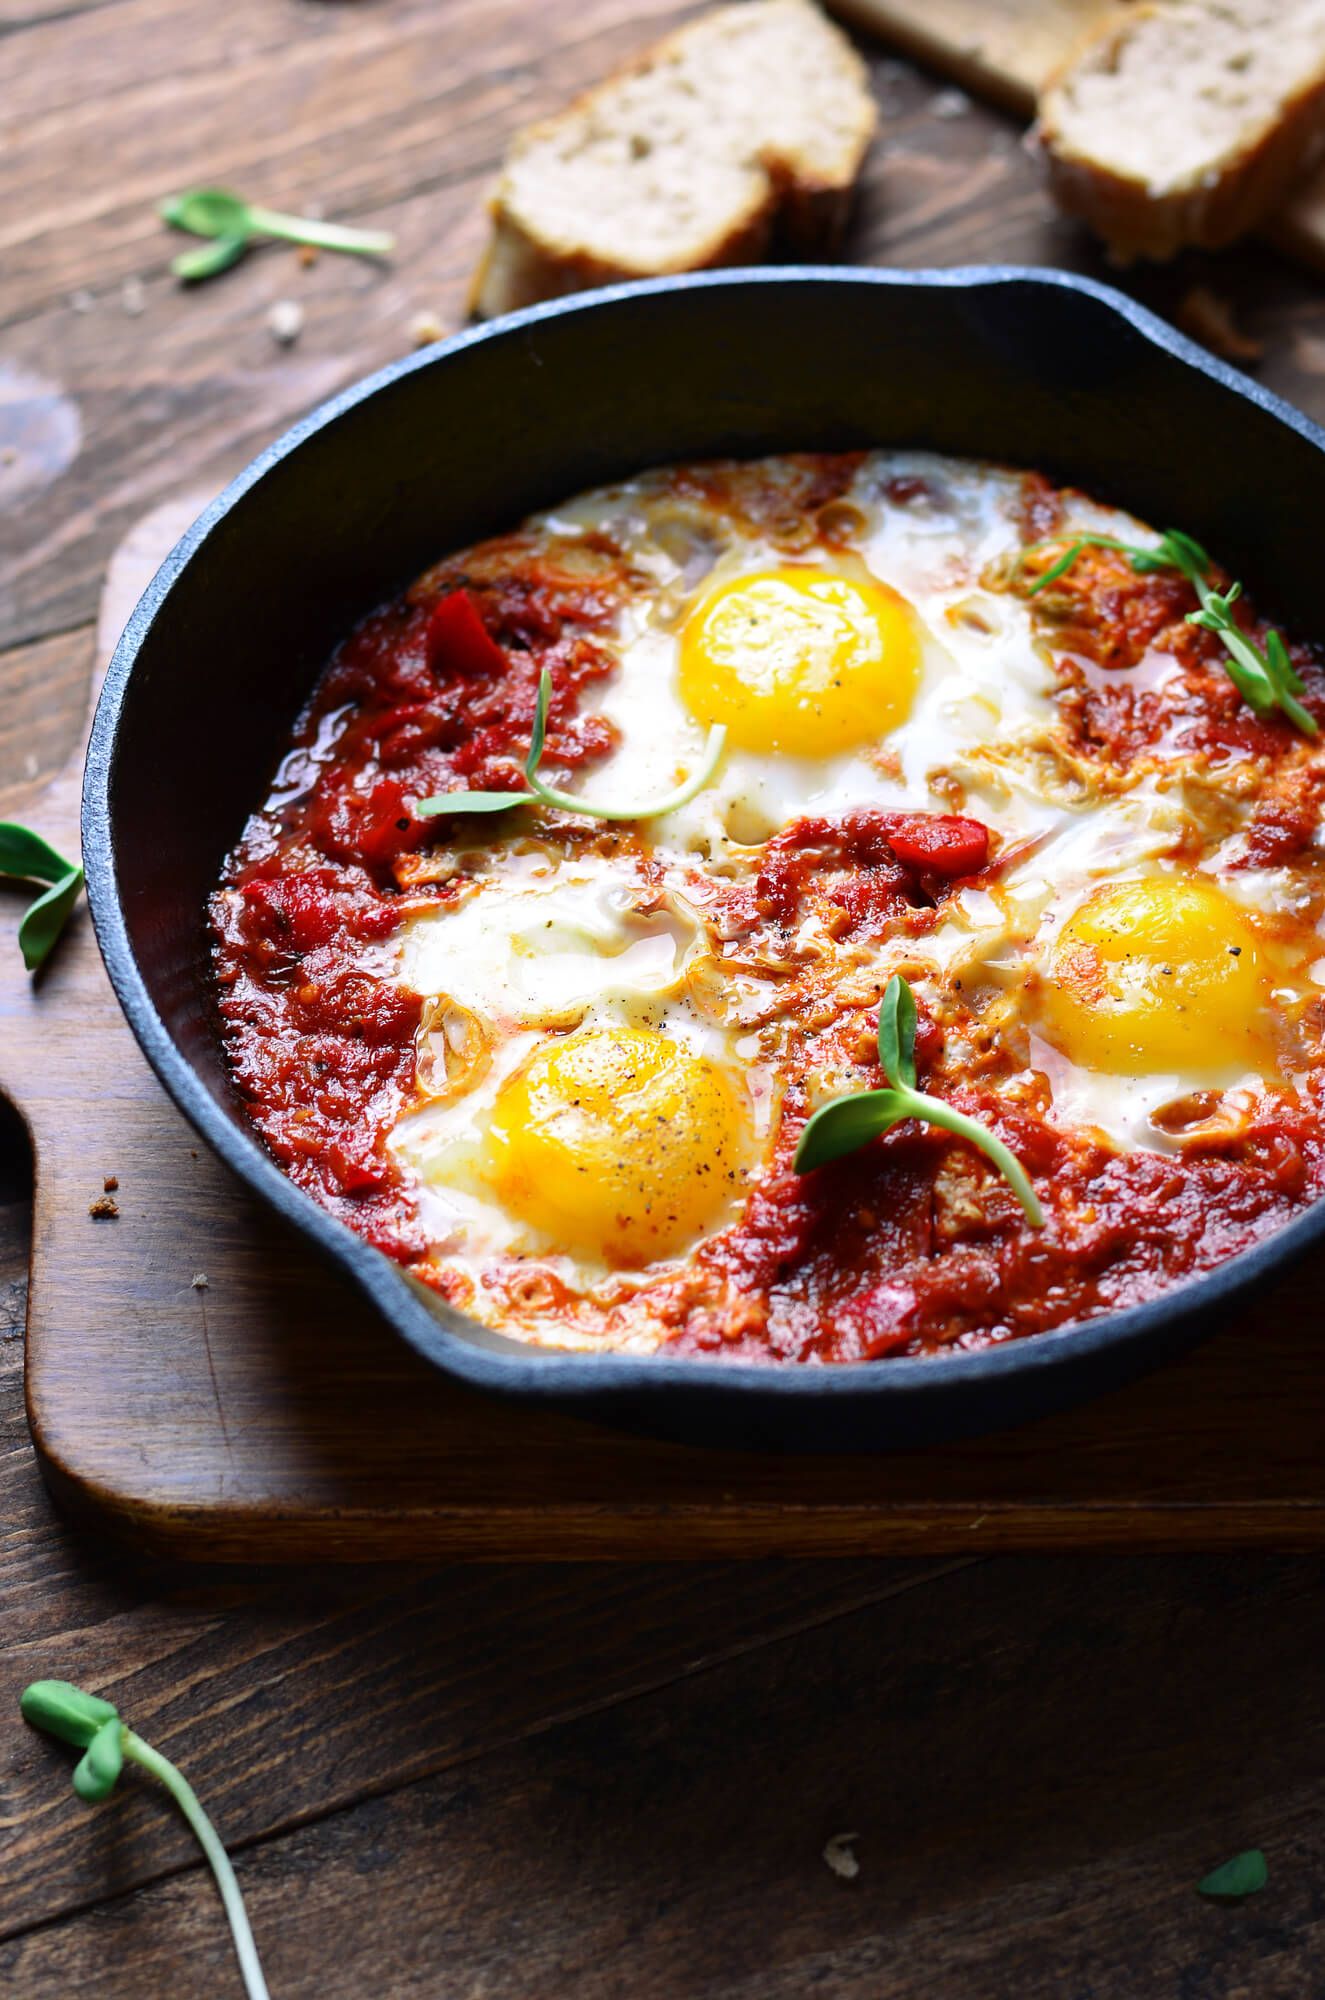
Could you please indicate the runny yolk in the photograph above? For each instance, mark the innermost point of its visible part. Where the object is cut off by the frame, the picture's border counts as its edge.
(619, 1142)
(800, 660)
(1156, 976)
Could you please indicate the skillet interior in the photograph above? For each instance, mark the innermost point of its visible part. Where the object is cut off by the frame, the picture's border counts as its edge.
(1039, 369)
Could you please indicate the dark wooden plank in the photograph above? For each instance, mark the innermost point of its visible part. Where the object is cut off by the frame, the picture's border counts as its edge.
(17, 15)
(366, 105)
(1040, 1760)
(289, 1698)
(201, 370)
(43, 699)
(123, 376)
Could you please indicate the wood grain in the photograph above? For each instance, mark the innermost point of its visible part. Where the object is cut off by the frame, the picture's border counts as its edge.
(1039, 1760)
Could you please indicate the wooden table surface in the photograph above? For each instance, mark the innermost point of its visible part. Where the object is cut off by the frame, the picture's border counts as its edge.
(593, 1781)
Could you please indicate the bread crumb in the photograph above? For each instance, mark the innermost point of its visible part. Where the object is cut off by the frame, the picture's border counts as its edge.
(132, 297)
(285, 322)
(838, 1855)
(949, 104)
(104, 1209)
(1209, 318)
(308, 256)
(110, 1183)
(424, 328)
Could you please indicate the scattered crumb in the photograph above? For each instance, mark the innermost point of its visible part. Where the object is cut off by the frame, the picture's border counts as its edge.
(110, 1183)
(105, 1208)
(308, 254)
(30, 765)
(82, 302)
(199, 1281)
(193, 1153)
(949, 104)
(838, 1855)
(1209, 318)
(285, 322)
(132, 297)
(424, 328)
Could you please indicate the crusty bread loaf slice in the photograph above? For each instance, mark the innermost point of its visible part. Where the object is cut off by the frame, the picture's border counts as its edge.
(1184, 121)
(751, 119)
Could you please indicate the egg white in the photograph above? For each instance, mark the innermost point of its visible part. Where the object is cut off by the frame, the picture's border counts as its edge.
(983, 678)
(540, 944)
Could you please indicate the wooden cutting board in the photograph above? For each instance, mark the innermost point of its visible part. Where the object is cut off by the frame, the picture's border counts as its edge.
(200, 1385)
(1004, 50)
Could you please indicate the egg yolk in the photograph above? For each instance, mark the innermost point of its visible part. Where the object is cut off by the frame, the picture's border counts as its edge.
(618, 1142)
(1148, 977)
(800, 660)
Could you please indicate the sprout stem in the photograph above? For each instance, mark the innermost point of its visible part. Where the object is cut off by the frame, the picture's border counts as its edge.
(188, 1802)
(327, 235)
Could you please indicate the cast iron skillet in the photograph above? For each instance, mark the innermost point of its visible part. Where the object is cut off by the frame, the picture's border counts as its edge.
(1032, 367)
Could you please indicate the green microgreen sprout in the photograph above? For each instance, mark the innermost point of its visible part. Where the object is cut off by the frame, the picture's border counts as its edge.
(94, 1727)
(1264, 676)
(233, 224)
(489, 802)
(1245, 1875)
(851, 1122)
(26, 857)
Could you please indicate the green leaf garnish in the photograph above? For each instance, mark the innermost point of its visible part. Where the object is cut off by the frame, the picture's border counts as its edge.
(101, 1763)
(208, 260)
(851, 1122)
(1265, 677)
(1245, 1875)
(66, 1711)
(487, 802)
(26, 857)
(94, 1725)
(897, 1034)
(233, 224)
(472, 802)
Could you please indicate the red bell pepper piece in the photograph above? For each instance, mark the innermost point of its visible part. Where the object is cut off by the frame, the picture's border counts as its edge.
(939, 843)
(458, 642)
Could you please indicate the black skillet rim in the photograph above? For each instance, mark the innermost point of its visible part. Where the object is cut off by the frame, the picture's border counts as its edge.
(595, 1382)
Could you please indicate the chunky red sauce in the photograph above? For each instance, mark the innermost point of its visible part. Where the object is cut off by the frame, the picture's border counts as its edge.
(907, 1246)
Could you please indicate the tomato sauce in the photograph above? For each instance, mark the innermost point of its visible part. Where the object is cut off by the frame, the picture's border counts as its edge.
(907, 1246)
(321, 1039)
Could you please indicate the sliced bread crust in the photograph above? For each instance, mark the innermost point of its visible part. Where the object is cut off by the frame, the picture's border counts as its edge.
(751, 120)
(1185, 121)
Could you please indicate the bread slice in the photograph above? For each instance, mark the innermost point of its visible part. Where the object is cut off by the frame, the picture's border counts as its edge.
(1184, 121)
(750, 120)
